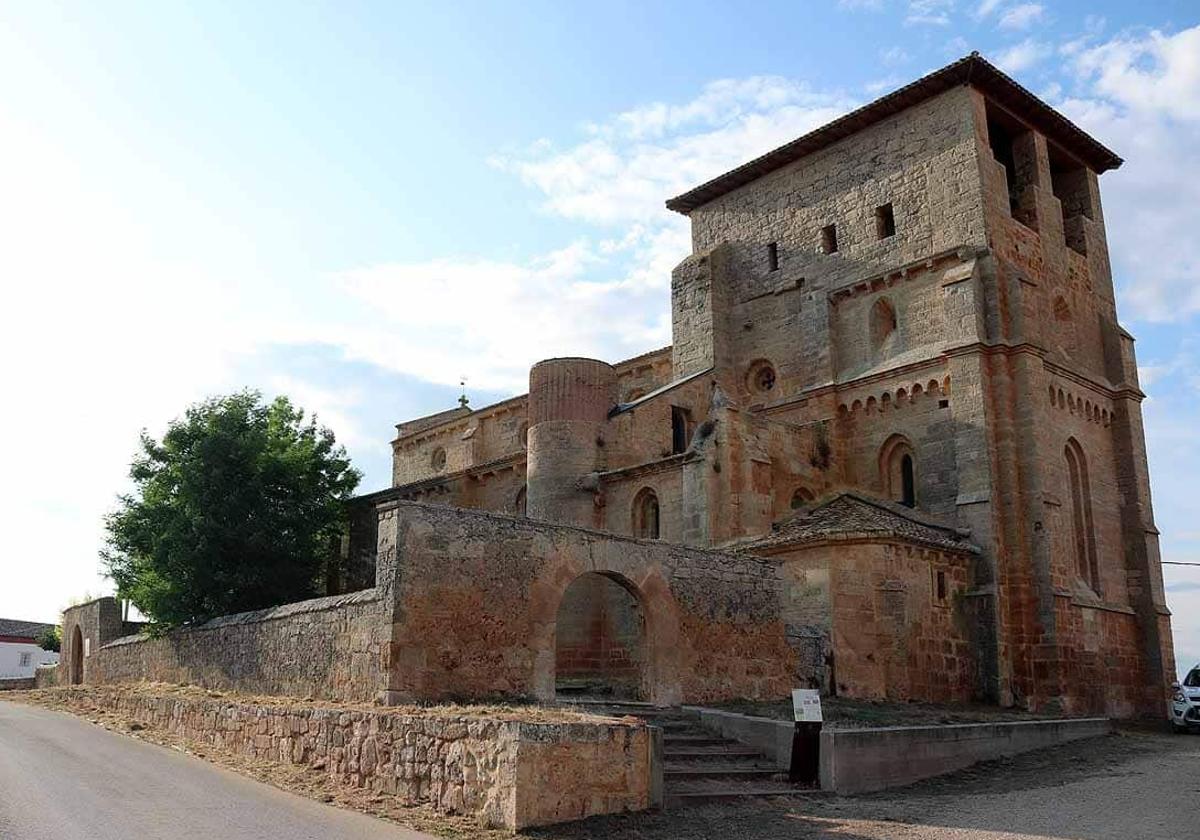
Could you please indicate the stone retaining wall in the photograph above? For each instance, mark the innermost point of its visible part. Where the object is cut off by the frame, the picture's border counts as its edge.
(18, 684)
(508, 773)
(860, 760)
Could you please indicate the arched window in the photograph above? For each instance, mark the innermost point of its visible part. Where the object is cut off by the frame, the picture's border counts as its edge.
(519, 505)
(645, 514)
(802, 498)
(897, 469)
(438, 459)
(680, 421)
(1081, 515)
(883, 325)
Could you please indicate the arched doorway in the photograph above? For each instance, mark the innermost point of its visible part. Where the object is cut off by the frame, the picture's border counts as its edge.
(76, 657)
(600, 639)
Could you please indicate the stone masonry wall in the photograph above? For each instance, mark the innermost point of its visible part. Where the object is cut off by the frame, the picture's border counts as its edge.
(508, 773)
(329, 648)
(877, 605)
(477, 597)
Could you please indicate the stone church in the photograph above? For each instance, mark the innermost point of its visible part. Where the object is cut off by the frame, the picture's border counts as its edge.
(897, 375)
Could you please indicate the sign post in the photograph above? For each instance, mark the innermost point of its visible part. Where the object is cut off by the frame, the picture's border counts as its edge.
(806, 743)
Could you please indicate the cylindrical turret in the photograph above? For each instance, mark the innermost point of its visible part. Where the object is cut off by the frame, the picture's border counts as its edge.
(569, 401)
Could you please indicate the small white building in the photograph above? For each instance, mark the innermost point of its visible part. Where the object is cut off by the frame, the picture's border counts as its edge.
(19, 652)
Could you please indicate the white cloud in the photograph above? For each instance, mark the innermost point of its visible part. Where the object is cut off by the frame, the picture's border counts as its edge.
(879, 86)
(1022, 16)
(893, 56)
(873, 5)
(634, 161)
(1141, 96)
(929, 12)
(1022, 56)
(1151, 73)
(986, 7)
(490, 320)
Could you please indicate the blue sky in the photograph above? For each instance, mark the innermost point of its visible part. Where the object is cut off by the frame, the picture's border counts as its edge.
(358, 204)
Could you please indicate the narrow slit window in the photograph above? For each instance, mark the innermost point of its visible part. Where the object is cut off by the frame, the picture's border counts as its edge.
(940, 579)
(885, 221)
(829, 243)
(680, 424)
(908, 486)
(772, 256)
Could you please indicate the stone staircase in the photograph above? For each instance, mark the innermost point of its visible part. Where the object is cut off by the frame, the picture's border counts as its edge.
(698, 765)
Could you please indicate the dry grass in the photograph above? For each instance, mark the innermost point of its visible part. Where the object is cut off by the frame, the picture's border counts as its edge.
(60, 696)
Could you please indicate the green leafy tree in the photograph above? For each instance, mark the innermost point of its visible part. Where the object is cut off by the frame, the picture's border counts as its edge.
(233, 510)
(50, 639)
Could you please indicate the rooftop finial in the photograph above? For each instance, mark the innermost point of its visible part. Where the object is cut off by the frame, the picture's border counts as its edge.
(462, 399)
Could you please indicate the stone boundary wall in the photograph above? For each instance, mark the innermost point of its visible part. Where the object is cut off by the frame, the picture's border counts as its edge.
(331, 648)
(508, 773)
(478, 594)
(46, 676)
(861, 760)
(18, 684)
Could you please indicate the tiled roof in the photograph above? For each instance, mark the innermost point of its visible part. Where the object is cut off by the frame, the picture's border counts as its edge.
(971, 70)
(850, 515)
(22, 629)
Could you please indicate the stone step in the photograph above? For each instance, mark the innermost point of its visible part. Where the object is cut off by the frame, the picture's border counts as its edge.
(729, 748)
(675, 798)
(717, 770)
(688, 739)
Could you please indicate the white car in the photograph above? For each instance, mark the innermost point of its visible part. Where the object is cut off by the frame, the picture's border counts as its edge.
(1185, 704)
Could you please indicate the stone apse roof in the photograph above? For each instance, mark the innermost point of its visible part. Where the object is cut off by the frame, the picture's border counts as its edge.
(17, 629)
(853, 516)
(973, 70)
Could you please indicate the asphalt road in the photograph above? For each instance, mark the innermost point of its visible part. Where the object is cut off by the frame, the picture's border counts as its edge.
(62, 778)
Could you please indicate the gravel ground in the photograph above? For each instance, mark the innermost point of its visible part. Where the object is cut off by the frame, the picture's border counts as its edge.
(1135, 785)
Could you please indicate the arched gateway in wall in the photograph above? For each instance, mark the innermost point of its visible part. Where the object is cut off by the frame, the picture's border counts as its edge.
(600, 639)
(612, 634)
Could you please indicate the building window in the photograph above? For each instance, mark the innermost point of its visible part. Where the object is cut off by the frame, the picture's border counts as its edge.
(802, 498)
(1013, 147)
(519, 507)
(939, 586)
(772, 256)
(897, 468)
(438, 459)
(883, 325)
(885, 221)
(1072, 186)
(761, 377)
(829, 243)
(680, 425)
(26, 658)
(645, 514)
(1086, 563)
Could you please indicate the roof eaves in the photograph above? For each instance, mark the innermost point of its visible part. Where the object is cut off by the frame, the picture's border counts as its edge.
(972, 69)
